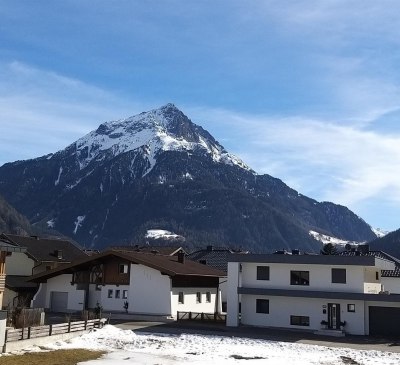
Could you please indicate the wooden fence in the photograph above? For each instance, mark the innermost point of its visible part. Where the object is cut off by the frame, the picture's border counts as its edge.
(52, 329)
(195, 316)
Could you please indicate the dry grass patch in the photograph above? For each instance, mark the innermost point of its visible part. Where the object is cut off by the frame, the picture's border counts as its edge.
(57, 357)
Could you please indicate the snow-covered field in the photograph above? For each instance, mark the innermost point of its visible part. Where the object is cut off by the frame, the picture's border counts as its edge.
(126, 347)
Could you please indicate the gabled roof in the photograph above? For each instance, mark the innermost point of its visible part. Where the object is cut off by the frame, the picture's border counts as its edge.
(7, 246)
(44, 249)
(168, 265)
(380, 254)
(216, 257)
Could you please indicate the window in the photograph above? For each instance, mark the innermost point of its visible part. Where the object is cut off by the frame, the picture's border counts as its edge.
(110, 293)
(377, 275)
(204, 262)
(351, 307)
(124, 294)
(262, 272)
(198, 297)
(117, 294)
(208, 297)
(299, 278)
(299, 321)
(181, 297)
(339, 276)
(123, 268)
(262, 306)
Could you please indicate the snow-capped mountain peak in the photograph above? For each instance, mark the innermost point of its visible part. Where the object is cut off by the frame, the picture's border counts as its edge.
(162, 129)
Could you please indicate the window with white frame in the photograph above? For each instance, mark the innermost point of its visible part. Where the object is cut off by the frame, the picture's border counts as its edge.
(198, 297)
(123, 268)
(181, 297)
(124, 294)
(110, 293)
(117, 294)
(208, 297)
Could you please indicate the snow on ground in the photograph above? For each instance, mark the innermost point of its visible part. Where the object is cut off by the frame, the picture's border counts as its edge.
(126, 347)
(330, 239)
(379, 232)
(160, 233)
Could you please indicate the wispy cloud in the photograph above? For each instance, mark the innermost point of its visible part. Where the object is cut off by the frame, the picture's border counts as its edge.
(346, 164)
(42, 111)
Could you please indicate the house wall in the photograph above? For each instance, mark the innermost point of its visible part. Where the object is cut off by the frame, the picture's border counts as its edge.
(39, 299)
(391, 284)
(8, 297)
(94, 296)
(150, 291)
(190, 303)
(19, 264)
(281, 308)
(62, 283)
(112, 274)
(112, 303)
(371, 284)
(320, 277)
(234, 281)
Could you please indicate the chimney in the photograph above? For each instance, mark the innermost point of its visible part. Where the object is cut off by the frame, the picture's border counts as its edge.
(210, 248)
(58, 254)
(181, 257)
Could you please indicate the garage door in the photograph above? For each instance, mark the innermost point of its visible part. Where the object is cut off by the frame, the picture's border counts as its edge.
(59, 301)
(384, 321)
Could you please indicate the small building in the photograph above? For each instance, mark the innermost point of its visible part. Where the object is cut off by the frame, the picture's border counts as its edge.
(6, 249)
(327, 294)
(216, 257)
(39, 254)
(141, 283)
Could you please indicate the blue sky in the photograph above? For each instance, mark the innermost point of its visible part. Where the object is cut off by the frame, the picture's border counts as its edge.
(306, 91)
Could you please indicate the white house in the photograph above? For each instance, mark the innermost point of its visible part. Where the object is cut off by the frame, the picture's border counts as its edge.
(151, 284)
(312, 292)
(33, 254)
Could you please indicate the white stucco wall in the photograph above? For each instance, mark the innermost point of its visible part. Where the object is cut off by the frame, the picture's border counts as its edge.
(391, 284)
(113, 303)
(39, 299)
(234, 281)
(19, 264)
(149, 292)
(94, 296)
(281, 308)
(320, 277)
(62, 283)
(190, 303)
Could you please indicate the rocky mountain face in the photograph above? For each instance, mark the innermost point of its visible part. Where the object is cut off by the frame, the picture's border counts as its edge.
(389, 243)
(158, 170)
(13, 222)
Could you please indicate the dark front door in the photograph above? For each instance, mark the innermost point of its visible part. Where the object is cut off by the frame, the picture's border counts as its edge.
(334, 316)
